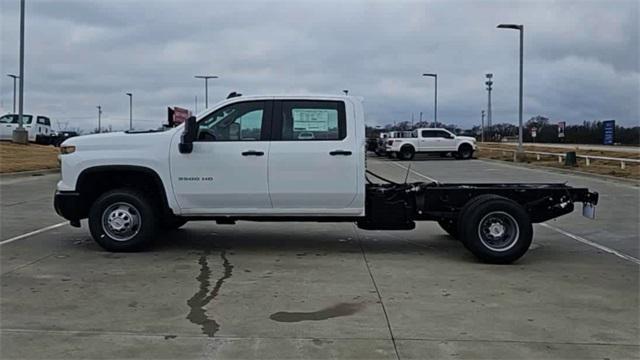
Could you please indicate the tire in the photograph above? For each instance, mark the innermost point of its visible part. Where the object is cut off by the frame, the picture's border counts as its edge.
(450, 227)
(173, 223)
(495, 229)
(123, 220)
(465, 152)
(406, 153)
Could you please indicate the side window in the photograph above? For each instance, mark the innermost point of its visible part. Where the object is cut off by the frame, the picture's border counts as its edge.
(235, 122)
(428, 134)
(443, 134)
(313, 120)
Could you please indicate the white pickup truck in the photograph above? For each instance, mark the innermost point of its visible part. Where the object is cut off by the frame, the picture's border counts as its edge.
(282, 158)
(431, 140)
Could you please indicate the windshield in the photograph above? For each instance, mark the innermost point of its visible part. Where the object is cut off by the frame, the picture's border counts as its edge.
(13, 119)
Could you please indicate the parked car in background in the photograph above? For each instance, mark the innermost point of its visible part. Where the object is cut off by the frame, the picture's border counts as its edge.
(59, 137)
(38, 130)
(431, 140)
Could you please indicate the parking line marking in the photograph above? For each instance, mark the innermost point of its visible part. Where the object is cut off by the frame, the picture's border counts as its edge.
(415, 172)
(593, 244)
(35, 232)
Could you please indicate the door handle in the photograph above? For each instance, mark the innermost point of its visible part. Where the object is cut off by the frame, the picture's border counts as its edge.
(340, 152)
(252, 153)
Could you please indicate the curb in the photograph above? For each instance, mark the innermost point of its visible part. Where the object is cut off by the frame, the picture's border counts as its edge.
(12, 175)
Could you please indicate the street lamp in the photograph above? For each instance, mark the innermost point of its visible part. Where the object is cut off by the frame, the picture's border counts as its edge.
(489, 84)
(19, 134)
(482, 127)
(435, 97)
(521, 29)
(99, 115)
(14, 90)
(130, 95)
(206, 87)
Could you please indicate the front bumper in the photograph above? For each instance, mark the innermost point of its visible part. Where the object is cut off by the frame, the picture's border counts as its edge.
(70, 205)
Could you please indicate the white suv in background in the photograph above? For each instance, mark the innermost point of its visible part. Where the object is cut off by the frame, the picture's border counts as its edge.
(41, 127)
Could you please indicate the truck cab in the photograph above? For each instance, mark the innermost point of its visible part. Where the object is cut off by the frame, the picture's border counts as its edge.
(250, 156)
(432, 140)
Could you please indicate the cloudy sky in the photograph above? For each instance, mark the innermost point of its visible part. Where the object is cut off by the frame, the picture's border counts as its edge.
(581, 57)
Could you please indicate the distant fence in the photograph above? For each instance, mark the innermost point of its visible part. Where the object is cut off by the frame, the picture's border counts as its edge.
(623, 161)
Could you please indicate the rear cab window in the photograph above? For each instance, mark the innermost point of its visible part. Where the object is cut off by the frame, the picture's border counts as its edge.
(310, 120)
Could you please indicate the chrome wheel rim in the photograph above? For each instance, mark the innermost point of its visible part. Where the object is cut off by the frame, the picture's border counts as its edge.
(498, 231)
(121, 221)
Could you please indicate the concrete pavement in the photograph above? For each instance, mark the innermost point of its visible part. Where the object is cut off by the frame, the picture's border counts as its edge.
(310, 290)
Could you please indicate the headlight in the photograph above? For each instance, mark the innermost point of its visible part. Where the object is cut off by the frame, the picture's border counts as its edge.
(68, 149)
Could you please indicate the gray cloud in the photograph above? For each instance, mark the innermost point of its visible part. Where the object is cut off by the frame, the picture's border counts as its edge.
(581, 56)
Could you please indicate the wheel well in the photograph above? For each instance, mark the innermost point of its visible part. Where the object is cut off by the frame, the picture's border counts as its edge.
(94, 182)
(465, 146)
(407, 146)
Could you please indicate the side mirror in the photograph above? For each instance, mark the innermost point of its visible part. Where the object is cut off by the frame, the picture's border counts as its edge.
(188, 135)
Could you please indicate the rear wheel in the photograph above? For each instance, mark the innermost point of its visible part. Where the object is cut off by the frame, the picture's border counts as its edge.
(495, 229)
(406, 153)
(465, 151)
(122, 220)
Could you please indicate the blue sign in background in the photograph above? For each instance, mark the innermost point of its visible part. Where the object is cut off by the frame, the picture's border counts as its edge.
(608, 132)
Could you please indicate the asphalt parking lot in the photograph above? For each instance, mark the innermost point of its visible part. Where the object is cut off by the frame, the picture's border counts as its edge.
(308, 290)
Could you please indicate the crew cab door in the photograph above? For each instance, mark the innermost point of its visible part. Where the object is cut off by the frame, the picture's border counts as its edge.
(446, 140)
(226, 173)
(313, 162)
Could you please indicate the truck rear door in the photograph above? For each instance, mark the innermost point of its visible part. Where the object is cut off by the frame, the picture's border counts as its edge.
(313, 160)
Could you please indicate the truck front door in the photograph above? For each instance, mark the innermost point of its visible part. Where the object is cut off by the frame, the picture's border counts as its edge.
(227, 170)
(313, 162)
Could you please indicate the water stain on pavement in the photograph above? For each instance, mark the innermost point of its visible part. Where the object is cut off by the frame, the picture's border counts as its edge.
(341, 309)
(204, 296)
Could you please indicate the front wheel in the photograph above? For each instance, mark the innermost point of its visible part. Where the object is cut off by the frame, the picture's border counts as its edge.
(122, 220)
(495, 229)
(465, 152)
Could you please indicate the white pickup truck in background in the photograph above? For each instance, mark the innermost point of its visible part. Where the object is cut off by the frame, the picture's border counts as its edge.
(282, 158)
(431, 140)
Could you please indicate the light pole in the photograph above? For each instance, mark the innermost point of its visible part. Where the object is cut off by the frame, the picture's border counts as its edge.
(521, 29)
(14, 90)
(130, 95)
(435, 97)
(206, 87)
(346, 92)
(99, 115)
(19, 134)
(482, 128)
(489, 84)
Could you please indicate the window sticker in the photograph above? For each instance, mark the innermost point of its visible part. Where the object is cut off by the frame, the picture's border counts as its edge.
(314, 119)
